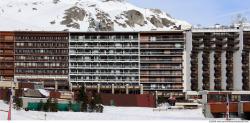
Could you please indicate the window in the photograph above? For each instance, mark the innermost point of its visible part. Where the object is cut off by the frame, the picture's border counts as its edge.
(152, 38)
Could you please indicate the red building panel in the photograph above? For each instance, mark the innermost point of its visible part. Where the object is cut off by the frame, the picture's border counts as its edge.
(143, 100)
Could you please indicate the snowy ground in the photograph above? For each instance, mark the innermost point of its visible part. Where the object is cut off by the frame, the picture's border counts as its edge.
(110, 113)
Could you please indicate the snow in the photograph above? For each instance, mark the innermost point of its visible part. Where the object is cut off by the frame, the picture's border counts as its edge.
(44, 92)
(110, 113)
(36, 15)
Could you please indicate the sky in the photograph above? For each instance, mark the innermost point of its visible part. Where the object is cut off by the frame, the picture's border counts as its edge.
(204, 12)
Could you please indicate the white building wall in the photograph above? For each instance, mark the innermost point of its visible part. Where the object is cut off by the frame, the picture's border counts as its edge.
(223, 71)
(200, 71)
(187, 62)
(211, 70)
(237, 65)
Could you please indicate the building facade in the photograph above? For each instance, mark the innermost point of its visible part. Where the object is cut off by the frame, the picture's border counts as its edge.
(216, 60)
(107, 62)
(161, 60)
(166, 63)
(7, 56)
(34, 57)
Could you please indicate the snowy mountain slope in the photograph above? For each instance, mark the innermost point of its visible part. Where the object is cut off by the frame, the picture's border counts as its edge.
(82, 15)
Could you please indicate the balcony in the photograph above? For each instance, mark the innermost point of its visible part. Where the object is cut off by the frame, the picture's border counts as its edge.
(104, 67)
(106, 73)
(163, 88)
(161, 67)
(160, 61)
(161, 74)
(105, 80)
(102, 47)
(161, 46)
(161, 54)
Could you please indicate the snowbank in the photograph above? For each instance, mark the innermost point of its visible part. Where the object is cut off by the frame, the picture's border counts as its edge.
(44, 92)
(110, 113)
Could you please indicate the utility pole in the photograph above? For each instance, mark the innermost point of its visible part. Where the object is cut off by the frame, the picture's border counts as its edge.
(11, 101)
(227, 113)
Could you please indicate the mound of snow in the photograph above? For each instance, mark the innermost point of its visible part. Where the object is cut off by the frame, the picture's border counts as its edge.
(44, 92)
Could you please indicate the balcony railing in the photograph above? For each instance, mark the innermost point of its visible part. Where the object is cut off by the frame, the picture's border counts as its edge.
(102, 53)
(106, 73)
(162, 46)
(103, 66)
(161, 67)
(160, 61)
(99, 47)
(104, 80)
(105, 60)
(163, 88)
(161, 53)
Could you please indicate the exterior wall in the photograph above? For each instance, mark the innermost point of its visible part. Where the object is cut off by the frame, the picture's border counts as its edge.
(237, 63)
(161, 58)
(245, 61)
(42, 57)
(105, 59)
(7, 40)
(212, 72)
(142, 100)
(218, 54)
(187, 61)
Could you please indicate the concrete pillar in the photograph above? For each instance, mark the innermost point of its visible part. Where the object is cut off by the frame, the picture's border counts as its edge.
(56, 85)
(70, 86)
(240, 107)
(127, 90)
(113, 88)
(43, 84)
(141, 88)
(98, 88)
(156, 98)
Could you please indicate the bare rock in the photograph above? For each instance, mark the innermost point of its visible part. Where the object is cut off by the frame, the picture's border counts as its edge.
(104, 21)
(134, 17)
(56, 1)
(72, 15)
(156, 22)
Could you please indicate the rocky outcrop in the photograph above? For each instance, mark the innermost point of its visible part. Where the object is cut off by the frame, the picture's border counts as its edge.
(72, 15)
(156, 22)
(104, 21)
(134, 17)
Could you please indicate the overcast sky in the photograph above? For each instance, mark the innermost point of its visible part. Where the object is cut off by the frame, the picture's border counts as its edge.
(204, 12)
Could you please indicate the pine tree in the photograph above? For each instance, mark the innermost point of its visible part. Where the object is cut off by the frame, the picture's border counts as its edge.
(47, 105)
(92, 104)
(19, 103)
(70, 106)
(53, 106)
(40, 106)
(98, 99)
(83, 99)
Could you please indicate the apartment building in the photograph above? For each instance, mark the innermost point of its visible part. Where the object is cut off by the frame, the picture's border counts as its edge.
(42, 57)
(105, 61)
(215, 60)
(161, 62)
(7, 56)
